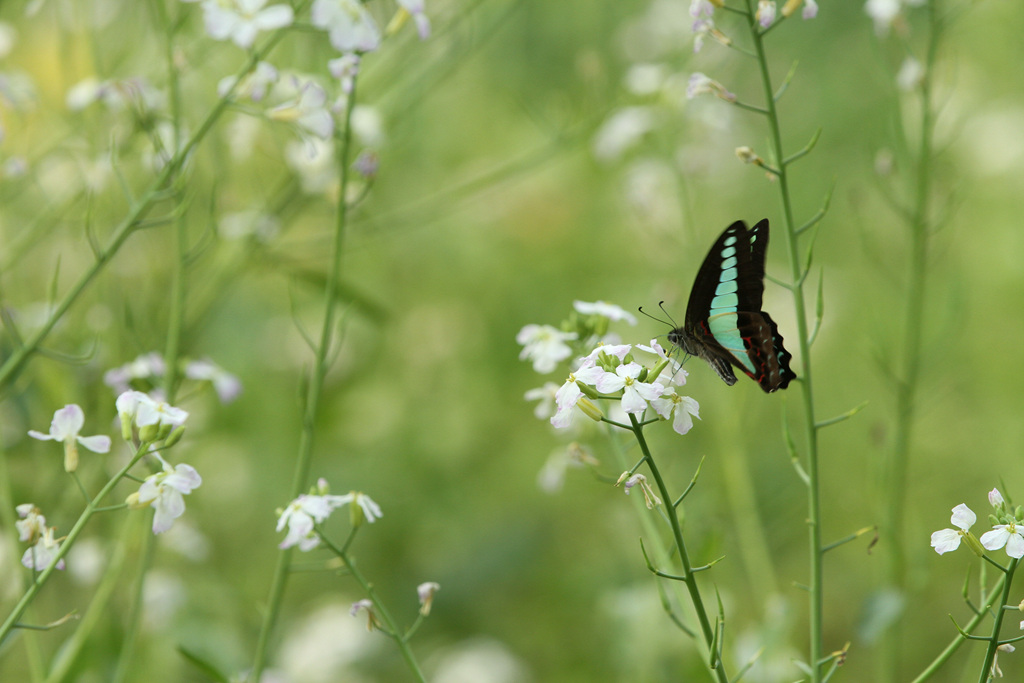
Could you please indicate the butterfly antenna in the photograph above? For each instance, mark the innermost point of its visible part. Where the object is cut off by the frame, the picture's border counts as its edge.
(661, 305)
(663, 322)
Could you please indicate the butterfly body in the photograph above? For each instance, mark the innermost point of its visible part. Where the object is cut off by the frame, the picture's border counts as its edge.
(724, 322)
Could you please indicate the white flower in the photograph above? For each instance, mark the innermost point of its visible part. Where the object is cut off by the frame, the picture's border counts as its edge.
(995, 498)
(39, 556)
(147, 366)
(610, 311)
(227, 386)
(363, 507)
(544, 345)
(810, 9)
(145, 410)
(372, 621)
(300, 517)
(349, 26)
(765, 13)
(622, 131)
(416, 9)
(635, 394)
(313, 161)
(700, 84)
(883, 13)
(309, 509)
(308, 111)
(946, 540)
(32, 524)
(254, 85)
(241, 20)
(425, 592)
(1008, 535)
(569, 394)
(66, 424)
(164, 491)
(910, 75)
(345, 68)
(649, 496)
(546, 396)
(683, 407)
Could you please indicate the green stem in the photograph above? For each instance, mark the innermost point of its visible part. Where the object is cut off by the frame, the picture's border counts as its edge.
(907, 386)
(381, 610)
(690, 579)
(69, 540)
(315, 388)
(815, 583)
(997, 624)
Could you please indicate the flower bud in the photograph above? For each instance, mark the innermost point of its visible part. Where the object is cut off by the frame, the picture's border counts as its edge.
(149, 433)
(126, 426)
(70, 455)
(174, 436)
(588, 390)
(589, 409)
(974, 544)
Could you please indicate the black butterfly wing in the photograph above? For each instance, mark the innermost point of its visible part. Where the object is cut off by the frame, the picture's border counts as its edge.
(724, 322)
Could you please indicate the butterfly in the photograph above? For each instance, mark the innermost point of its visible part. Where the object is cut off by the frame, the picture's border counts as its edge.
(724, 322)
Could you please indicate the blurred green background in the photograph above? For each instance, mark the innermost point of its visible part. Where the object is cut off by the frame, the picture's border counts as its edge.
(497, 205)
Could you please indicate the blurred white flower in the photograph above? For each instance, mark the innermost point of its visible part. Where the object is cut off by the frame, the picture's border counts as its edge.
(622, 131)
(313, 161)
(610, 311)
(910, 75)
(8, 36)
(242, 20)
(308, 111)
(544, 345)
(227, 386)
(480, 660)
(349, 25)
(416, 9)
(254, 85)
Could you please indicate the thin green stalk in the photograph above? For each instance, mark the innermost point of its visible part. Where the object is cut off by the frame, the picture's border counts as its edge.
(933, 668)
(907, 386)
(314, 391)
(132, 625)
(380, 609)
(815, 582)
(98, 608)
(690, 579)
(41, 579)
(898, 462)
(997, 624)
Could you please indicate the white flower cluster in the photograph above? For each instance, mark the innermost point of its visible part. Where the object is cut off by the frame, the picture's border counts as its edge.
(606, 370)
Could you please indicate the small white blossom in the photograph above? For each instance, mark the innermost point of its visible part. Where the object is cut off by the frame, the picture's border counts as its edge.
(148, 366)
(946, 540)
(67, 423)
(546, 396)
(683, 408)
(241, 20)
(995, 498)
(301, 515)
(910, 75)
(810, 9)
(649, 496)
(345, 68)
(308, 111)
(165, 491)
(349, 26)
(544, 345)
(425, 592)
(39, 556)
(700, 84)
(145, 410)
(416, 9)
(610, 311)
(372, 621)
(635, 394)
(1009, 535)
(227, 386)
(765, 13)
(254, 85)
(569, 394)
